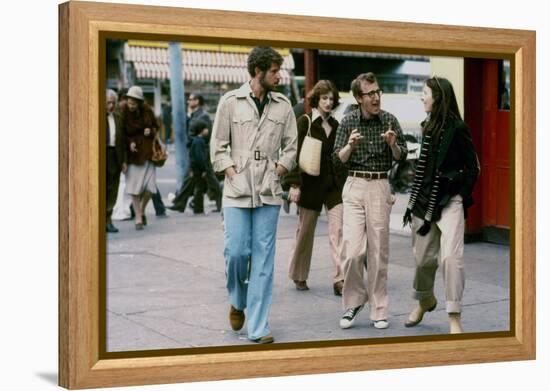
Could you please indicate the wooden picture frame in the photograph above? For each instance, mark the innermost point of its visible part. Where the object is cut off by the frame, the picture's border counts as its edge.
(82, 24)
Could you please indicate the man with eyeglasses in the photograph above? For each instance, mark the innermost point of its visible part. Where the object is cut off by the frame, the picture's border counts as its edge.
(367, 142)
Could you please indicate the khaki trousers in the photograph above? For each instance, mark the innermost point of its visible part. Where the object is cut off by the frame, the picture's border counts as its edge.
(367, 207)
(446, 239)
(300, 257)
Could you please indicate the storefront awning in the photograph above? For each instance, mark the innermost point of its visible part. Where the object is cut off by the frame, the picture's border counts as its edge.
(153, 62)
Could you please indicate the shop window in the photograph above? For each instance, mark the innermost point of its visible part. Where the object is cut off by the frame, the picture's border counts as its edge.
(504, 85)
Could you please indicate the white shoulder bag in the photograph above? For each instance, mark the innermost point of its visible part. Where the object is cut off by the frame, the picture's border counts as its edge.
(310, 154)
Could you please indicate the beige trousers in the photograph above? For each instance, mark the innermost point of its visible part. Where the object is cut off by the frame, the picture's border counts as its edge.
(367, 207)
(446, 239)
(300, 257)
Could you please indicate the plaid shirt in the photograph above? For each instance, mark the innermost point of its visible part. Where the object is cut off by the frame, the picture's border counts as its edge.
(372, 153)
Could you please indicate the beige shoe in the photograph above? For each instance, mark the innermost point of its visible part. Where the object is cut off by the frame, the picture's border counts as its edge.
(426, 305)
(455, 326)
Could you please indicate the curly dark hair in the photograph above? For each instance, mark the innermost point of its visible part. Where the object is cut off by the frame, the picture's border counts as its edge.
(262, 57)
(322, 87)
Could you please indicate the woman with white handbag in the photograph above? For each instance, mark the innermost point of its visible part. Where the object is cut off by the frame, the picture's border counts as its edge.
(316, 182)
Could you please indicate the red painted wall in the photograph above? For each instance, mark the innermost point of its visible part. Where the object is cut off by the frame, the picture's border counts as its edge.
(491, 135)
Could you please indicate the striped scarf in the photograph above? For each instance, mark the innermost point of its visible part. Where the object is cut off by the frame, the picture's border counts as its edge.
(418, 178)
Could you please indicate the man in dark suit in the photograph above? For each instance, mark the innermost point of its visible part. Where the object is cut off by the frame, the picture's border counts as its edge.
(116, 151)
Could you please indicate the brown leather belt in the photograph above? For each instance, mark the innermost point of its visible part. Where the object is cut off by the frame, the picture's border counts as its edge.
(368, 175)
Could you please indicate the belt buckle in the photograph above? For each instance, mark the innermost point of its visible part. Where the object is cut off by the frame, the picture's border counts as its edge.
(257, 155)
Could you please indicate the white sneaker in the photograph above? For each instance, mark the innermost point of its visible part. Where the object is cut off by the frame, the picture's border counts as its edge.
(381, 324)
(349, 317)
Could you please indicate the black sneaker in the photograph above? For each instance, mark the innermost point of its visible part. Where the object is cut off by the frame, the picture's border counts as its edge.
(111, 228)
(349, 317)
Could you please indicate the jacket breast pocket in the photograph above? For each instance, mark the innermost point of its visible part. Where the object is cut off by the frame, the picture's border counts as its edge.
(275, 122)
(241, 125)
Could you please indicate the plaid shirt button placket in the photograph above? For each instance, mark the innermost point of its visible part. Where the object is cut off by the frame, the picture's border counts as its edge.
(372, 153)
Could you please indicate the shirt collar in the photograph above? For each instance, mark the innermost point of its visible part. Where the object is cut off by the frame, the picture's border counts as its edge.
(245, 91)
(198, 111)
(316, 114)
(378, 117)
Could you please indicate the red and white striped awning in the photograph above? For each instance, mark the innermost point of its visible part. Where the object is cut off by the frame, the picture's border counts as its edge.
(198, 65)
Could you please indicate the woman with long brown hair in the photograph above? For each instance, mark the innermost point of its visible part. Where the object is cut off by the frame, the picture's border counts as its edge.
(441, 194)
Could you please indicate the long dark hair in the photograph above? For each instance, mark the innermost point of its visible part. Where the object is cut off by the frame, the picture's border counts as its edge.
(444, 106)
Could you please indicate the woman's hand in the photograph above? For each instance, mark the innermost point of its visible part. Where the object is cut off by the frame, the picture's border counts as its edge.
(133, 147)
(280, 170)
(147, 132)
(294, 194)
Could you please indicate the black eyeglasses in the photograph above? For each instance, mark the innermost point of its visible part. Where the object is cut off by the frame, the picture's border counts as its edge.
(371, 94)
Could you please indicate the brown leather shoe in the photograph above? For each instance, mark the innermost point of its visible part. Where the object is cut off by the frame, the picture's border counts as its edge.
(301, 285)
(265, 339)
(236, 318)
(338, 286)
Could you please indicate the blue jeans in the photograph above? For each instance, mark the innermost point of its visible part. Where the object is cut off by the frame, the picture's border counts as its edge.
(249, 252)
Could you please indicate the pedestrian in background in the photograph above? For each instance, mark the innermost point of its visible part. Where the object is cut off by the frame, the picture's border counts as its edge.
(312, 192)
(368, 140)
(254, 144)
(196, 112)
(441, 194)
(116, 155)
(199, 159)
(140, 128)
(194, 183)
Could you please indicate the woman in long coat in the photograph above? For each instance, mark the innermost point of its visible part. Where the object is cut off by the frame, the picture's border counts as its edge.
(140, 129)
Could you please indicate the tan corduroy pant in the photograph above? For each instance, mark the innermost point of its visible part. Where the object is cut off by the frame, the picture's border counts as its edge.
(300, 257)
(367, 207)
(446, 240)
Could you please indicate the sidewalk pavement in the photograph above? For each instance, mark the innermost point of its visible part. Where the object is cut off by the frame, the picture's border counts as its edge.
(166, 287)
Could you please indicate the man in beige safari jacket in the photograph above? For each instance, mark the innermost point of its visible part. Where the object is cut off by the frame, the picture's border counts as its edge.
(254, 143)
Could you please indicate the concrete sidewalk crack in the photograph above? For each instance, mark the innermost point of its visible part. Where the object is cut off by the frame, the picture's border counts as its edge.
(184, 323)
(179, 261)
(146, 327)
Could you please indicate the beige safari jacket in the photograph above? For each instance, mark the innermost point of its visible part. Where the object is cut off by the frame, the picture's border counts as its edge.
(253, 145)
